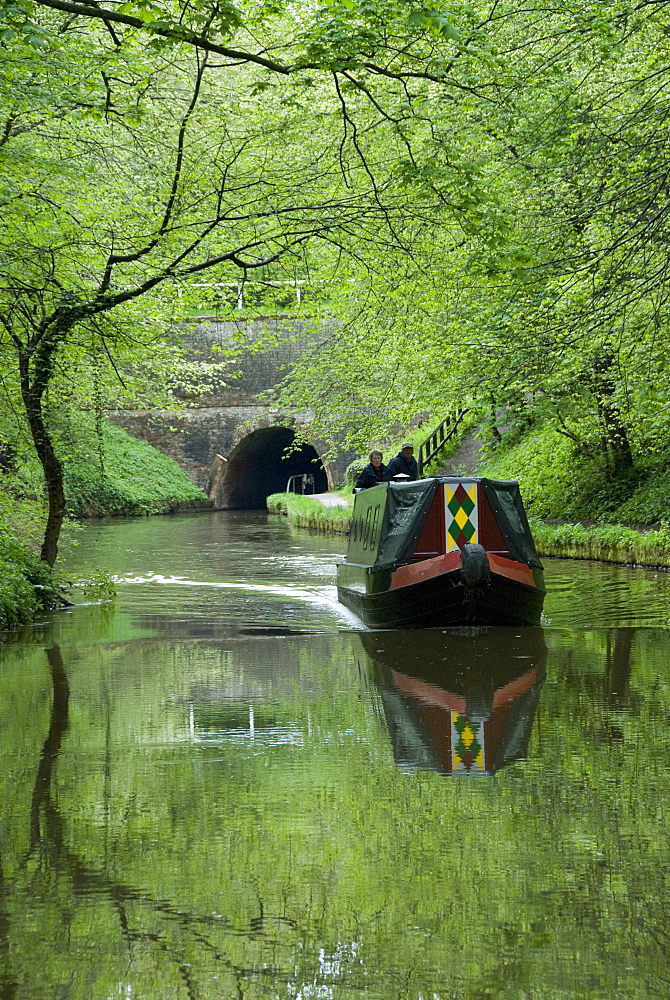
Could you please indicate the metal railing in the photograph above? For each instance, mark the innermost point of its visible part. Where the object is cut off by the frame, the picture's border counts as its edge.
(304, 480)
(437, 439)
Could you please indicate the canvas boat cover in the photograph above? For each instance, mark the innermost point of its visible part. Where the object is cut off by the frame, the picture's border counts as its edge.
(406, 509)
(388, 520)
(504, 496)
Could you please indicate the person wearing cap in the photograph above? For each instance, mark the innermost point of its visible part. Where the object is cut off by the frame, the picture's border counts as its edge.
(404, 464)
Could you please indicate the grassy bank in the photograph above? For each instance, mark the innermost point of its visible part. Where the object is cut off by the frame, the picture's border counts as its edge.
(303, 512)
(612, 543)
(108, 472)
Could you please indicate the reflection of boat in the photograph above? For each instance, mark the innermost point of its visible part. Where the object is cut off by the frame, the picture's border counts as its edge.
(459, 702)
(440, 552)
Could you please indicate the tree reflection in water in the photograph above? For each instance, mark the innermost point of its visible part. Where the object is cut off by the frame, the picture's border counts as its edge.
(48, 841)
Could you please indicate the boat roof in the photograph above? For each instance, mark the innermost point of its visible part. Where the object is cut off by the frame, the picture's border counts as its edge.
(388, 519)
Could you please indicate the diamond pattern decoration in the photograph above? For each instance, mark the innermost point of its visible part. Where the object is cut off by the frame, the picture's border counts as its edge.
(461, 515)
(467, 742)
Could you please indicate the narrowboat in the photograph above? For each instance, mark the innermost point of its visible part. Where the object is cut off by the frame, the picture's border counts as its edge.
(441, 552)
(462, 704)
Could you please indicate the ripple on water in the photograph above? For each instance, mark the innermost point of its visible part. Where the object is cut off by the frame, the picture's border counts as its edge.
(587, 594)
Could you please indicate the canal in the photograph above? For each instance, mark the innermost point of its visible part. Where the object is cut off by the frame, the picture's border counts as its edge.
(222, 786)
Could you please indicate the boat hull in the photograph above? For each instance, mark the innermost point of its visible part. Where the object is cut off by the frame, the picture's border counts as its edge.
(441, 601)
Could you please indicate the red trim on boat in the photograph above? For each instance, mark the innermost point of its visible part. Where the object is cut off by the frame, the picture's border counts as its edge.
(406, 576)
(429, 694)
(511, 569)
(426, 569)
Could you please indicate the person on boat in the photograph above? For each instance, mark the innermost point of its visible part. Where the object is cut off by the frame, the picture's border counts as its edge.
(404, 464)
(373, 473)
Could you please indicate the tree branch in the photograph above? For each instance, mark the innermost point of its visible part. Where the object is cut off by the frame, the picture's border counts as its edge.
(176, 34)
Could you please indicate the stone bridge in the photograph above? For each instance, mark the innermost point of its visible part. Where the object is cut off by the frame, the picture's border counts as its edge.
(236, 446)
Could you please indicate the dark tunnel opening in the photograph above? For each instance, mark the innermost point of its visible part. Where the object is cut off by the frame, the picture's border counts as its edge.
(259, 466)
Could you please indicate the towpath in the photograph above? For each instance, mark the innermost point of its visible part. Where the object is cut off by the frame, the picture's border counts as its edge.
(330, 499)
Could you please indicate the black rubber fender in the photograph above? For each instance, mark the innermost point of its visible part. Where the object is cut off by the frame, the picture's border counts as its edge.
(475, 565)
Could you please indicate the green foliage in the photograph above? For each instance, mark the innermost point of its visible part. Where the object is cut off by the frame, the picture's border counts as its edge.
(605, 542)
(354, 469)
(562, 312)
(650, 502)
(303, 512)
(120, 475)
(555, 483)
(97, 586)
(27, 585)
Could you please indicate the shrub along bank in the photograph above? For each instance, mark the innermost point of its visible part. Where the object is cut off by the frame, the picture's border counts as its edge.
(27, 585)
(107, 472)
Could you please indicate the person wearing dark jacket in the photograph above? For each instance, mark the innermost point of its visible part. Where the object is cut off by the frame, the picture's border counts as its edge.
(372, 474)
(404, 463)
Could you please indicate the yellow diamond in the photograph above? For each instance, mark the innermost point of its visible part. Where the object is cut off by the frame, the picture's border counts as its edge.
(461, 518)
(467, 736)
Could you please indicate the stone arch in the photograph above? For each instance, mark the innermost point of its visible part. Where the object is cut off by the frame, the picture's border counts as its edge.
(259, 464)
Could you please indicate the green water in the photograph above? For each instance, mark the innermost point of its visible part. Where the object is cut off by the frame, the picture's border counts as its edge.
(223, 787)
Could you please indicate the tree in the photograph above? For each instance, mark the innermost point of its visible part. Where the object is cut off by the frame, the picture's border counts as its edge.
(565, 302)
(131, 169)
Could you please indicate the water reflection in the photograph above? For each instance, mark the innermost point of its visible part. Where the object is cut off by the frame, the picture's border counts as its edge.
(44, 816)
(618, 664)
(461, 702)
(199, 797)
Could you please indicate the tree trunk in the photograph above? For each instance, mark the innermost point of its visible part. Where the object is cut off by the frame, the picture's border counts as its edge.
(58, 725)
(618, 664)
(614, 441)
(9, 988)
(495, 433)
(51, 464)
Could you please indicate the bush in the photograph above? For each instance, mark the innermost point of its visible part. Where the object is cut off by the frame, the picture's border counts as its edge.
(605, 542)
(134, 478)
(27, 585)
(555, 481)
(354, 470)
(650, 502)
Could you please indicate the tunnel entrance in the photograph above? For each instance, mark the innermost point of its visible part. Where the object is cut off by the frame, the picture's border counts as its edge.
(259, 466)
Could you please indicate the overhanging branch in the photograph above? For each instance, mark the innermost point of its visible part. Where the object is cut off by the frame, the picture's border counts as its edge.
(177, 34)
